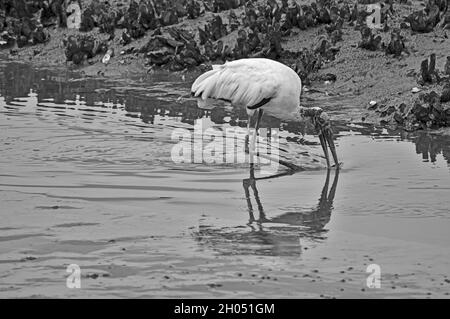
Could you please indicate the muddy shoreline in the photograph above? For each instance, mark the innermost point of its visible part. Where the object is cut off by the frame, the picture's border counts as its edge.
(376, 70)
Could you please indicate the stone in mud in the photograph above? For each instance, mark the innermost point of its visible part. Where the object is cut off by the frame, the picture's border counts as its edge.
(424, 20)
(101, 15)
(309, 16)
(221, 5)
(208, 50)
(160, 57)
(325, 49)
(447, 66)
(6, 40)
(285, 24)
(241, 50)
(126, 37)
(272, 48)
(189, 55)
(218, 49)
(180, 35)
(81, 47)
(334, 30)
(445, 96)
(193, 9)
(217, 28)
(250, 17)
(360, 18)
(254, 41)
(321, 13)
(305, 63)
(345, 12)
(233, 21)
(402, 108)
(421, 111)
(328, 77)
(387, 111)
(204, 35)
(368, 40)
(58, 7)
(293, 16)
(396, 45)
(169, 17)
(428, 72)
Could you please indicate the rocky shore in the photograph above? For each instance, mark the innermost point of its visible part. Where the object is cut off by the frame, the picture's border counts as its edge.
(397, 71)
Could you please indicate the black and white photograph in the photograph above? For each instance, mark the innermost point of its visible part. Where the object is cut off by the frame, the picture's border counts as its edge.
(243, 150)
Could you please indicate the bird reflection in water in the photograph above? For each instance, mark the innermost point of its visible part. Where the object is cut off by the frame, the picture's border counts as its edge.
(312, 222)
(280, 235)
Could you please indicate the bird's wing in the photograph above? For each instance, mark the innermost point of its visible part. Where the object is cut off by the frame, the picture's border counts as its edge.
(239, 82)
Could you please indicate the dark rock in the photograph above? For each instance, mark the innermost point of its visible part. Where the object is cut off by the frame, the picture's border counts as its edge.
(396, 45)
(428, 73)
(81, 47)
(241, 50)
(193, 9)
(424, 20)
(169, 17)
(445, 96)
(233, 21)
(160, 57)
(325, 49)
(398, 117)
(126, 37)
(447, 66)
(368, 40)
(218, 30)
(328, 77)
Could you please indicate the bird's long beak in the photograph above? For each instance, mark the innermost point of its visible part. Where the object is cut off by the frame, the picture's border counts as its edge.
(326, 139)
(322, 123)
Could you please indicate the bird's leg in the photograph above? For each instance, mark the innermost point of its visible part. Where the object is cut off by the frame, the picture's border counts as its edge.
(246, 184)
(321, 122)
(250, 182)
(255, 134)
(323, 143)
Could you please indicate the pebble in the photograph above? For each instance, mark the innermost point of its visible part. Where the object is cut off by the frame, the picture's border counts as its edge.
(415, 90)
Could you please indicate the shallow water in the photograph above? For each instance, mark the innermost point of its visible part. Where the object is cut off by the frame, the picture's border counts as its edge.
(87, 178)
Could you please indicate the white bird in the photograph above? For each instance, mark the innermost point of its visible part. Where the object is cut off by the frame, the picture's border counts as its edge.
(263, 85)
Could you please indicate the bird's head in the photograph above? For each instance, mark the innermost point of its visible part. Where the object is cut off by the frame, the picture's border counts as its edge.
(322, 124)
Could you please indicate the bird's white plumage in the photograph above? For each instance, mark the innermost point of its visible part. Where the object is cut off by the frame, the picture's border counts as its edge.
(247, 82)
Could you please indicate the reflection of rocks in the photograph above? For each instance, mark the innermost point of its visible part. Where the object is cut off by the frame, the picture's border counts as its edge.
(429, 146)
